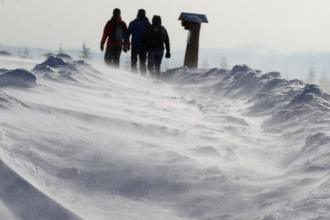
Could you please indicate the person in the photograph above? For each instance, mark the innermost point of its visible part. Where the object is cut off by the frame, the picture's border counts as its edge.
(114, 33)
(155, 39)
(137, 28)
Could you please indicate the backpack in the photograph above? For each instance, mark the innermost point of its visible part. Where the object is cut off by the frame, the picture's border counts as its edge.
(118, 32)
(157, 37)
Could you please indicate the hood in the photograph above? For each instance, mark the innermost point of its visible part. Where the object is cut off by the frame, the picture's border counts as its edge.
(116, 19)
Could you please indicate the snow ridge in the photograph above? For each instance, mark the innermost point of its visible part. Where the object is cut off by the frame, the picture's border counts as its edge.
(202, 144)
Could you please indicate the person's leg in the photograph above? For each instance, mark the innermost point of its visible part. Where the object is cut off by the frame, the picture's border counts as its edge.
(143, 60)
(111, 55)
(134, 54)
(158, 62)
(151, 62)
(116, 56)
(107, 55)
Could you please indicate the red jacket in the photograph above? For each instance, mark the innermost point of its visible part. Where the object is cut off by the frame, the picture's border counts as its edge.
(109, 30)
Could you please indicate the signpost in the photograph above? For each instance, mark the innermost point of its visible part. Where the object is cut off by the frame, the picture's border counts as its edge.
(192, 22)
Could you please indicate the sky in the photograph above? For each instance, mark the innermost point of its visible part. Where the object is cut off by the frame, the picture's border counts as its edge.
(284, 25)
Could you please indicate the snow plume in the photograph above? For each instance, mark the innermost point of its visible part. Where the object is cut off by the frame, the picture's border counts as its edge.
(203, 144)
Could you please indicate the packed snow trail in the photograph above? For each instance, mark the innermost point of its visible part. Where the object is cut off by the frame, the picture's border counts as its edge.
(213, 144)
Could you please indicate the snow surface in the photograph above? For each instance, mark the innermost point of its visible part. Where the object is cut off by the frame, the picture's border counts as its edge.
(90, 142)
(18, 78)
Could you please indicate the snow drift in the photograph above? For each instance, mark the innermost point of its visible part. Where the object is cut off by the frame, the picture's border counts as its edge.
(204, 144)
(18, 78)
(25, 201)
(290, 106)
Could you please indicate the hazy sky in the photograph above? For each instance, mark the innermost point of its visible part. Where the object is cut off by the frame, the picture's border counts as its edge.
(285, 25)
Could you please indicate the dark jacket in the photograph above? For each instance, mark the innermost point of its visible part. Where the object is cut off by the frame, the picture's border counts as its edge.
(110, 32)
(137, 28)
(156, 37)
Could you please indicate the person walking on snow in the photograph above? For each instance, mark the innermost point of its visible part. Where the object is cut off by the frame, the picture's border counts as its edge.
(114, 33)
(155, 39)
(137, 28)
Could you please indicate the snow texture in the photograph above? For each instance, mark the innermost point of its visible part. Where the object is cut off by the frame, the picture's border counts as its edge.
(26, 201)
(5, 53)
(64, 56)
(3, 70)
(18, 78)
(202, 144)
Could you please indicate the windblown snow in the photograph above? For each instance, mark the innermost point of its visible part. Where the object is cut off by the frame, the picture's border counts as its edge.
(80, 141)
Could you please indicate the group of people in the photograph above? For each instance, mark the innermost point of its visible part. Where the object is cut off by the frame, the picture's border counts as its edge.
(147, 42)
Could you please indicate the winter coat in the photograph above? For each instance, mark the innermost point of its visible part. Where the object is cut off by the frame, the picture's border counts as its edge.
(137, 28)
(114, 32)
(156, 37)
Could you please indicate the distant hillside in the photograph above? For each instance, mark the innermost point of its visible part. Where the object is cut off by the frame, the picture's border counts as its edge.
(292, 65)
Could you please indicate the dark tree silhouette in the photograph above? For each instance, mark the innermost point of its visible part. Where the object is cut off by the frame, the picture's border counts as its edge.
(85, 52)
(311, 78)
(224, 63)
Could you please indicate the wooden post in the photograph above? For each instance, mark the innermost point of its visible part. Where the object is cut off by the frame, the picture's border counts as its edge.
(192, 50)
(192, 23)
